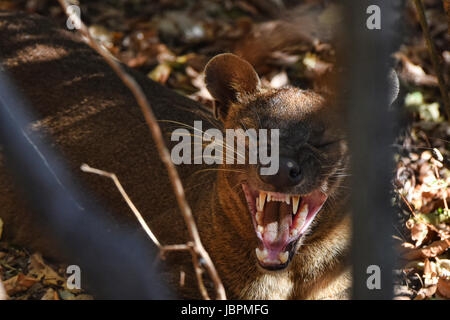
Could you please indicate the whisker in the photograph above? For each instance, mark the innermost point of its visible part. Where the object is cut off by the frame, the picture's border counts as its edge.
(204, 113)
(228, 147)
(257, 115)
(237, 185)
(203, 144)
(219, 169)
(195, 186)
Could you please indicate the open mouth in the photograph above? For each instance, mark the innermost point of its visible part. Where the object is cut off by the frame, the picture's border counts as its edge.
(280, 220)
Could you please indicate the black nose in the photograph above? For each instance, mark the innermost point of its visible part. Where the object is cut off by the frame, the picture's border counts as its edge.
(288, 175)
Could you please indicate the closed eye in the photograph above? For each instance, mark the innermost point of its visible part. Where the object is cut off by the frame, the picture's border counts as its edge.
(325, 144)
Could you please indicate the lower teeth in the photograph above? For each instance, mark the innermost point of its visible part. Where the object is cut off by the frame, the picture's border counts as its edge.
(284, 257)
(262, 256)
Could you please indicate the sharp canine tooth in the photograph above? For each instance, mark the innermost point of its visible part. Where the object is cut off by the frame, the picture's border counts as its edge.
(261, 254)
(288, 199)
(295, 202)
(283, 256)
(262, 200)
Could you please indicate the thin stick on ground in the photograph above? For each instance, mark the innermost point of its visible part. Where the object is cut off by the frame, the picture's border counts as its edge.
(163, 249)
(155, 130)
(434, 56)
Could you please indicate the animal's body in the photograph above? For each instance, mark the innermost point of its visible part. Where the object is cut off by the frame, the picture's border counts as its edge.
(92, 118)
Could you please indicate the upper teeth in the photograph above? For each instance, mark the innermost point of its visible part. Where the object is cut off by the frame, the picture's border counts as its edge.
(269, 196)
(262, 200)
(299, 209)
(295, 202)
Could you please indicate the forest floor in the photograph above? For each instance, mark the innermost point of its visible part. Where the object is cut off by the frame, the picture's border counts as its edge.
(172, 40)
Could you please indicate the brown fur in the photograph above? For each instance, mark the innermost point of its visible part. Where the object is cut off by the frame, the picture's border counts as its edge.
(92, 118)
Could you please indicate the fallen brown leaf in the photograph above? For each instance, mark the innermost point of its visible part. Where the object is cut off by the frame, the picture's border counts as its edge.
(50, 294)
(42, 271)
(18, 283)
(434, 249)
(419, 232)
(426, 292)
(414, 73)
(443, 287)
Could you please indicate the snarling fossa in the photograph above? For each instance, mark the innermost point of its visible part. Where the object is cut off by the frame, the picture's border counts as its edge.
(279, 236)
(284, 235)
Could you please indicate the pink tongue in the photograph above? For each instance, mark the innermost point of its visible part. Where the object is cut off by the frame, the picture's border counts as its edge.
(277, 219)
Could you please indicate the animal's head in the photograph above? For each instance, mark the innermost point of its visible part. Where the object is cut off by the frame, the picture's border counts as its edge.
(285, 204)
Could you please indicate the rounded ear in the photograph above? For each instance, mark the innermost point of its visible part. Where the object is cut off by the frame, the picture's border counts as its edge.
(229, 77)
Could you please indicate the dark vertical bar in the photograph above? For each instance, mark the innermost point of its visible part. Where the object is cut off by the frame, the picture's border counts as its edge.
(366, 54)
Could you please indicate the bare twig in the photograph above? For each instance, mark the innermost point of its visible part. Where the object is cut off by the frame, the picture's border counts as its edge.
(163, 249)
(122, 191)
(407, 203)
(434, 56)
(161, 147)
